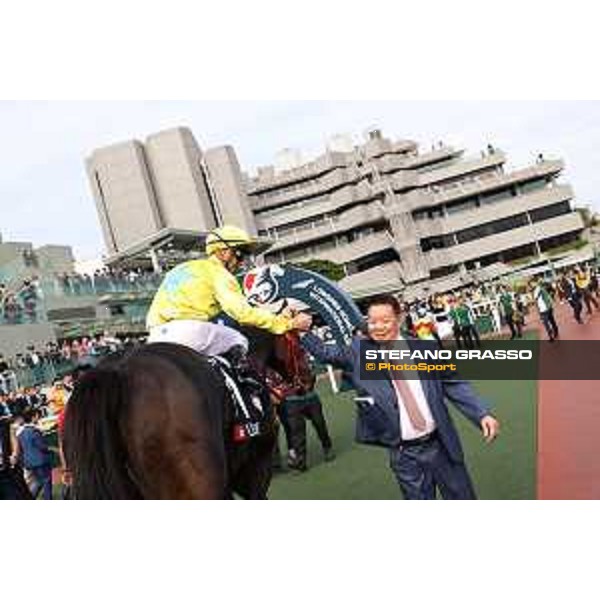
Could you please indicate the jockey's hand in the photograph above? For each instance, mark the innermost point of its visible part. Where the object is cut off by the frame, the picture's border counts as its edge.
(302, 322)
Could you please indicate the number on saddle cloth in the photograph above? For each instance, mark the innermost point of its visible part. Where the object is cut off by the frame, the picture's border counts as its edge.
(251, 408)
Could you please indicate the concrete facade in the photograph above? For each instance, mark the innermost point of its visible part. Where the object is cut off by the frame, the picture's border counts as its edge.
(166, 183)
(124, 193)
(20, 260)
(393, 215)
(16, 338)
(227, 187)
(174, 161)
(397, 218)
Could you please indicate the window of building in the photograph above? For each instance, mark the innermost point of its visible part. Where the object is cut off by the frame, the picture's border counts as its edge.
(491, 228)
(497, 195)
(548, 212)
(296, 253)
(373, 260)
(453, 208)
(519, 253)
(437, 242)
(290, 204)
(304, 184)
(436, 212)
(532, 186)
(439, 164)
(559, 240)
(443, 271)
(510, 255)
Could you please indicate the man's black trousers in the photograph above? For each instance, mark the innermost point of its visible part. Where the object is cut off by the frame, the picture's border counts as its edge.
(297, 414)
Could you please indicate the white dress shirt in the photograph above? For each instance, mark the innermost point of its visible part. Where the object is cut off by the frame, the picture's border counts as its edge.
(407, 431)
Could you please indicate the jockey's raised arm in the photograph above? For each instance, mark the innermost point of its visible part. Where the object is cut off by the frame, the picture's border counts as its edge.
(194, 293)
(233, 302)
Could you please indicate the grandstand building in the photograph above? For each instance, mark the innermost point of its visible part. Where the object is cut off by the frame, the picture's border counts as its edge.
(396, 217)
(160, 195)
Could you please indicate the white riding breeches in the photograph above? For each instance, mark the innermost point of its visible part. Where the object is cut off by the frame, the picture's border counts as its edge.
(206, 338)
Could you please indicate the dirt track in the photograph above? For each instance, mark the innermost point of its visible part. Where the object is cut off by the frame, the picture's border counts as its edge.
(568, 458)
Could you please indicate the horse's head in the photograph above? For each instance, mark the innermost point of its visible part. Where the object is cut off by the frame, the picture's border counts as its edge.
(147, 424)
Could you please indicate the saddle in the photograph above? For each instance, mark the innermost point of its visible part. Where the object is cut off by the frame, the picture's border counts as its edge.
(252, 411)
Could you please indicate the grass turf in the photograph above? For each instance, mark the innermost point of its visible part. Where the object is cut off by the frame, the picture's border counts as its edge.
(502, 470)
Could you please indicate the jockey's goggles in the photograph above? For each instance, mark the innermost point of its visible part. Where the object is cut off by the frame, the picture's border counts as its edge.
(242, 254)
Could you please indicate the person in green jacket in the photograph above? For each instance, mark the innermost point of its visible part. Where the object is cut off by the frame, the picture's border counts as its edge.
(507, 304)
(544, 304)
(466, 323)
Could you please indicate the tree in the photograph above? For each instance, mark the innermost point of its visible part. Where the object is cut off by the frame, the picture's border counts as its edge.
(327, 268)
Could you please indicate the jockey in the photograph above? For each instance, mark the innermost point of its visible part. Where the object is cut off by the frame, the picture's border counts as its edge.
(195, 292)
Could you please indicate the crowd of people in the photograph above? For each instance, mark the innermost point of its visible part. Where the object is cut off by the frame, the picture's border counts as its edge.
(24, 303)
(506, 305)
(26, 416)
(107, 280)
(30, 413)
(24, 407)
(39, 365)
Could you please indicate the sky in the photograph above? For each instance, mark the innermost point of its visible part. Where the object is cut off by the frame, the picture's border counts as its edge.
(45, 196)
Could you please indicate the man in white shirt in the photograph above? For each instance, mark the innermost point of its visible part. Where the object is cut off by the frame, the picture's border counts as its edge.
(410, 416)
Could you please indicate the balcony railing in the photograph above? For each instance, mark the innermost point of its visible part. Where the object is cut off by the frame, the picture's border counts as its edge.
(470, 185)
(31, 306)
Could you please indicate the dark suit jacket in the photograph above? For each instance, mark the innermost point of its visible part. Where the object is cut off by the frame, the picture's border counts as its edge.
(33, 448)
(378, 421)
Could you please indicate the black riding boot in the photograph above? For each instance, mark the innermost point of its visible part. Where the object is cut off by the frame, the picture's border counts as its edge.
(238, 359)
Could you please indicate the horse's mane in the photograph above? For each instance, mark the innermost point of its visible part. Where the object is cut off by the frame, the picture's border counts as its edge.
(97, 418)
(94, 445)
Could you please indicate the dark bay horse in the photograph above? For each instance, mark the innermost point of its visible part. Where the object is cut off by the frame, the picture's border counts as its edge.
(12, 485)
(155, 422)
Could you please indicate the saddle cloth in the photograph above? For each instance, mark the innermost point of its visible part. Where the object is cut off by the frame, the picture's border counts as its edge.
(250, 400)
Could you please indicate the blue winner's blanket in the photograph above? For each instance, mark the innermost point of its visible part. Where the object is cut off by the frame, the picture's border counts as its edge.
(271, 284)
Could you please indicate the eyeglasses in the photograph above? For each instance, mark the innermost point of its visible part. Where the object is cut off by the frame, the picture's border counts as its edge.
(242, 255)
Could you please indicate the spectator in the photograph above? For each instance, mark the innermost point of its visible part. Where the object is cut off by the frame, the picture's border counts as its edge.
(593, 287)
(466, 322)
(4, 368)
(33, 454)
(19, 403)
(57, 397)
(510, 313)
(292, 384)
(583, 283)
(34, 362)
(5, 419)
(65, 284)
(457, 330)
(544, 305)
(13, 312)
(572, 294)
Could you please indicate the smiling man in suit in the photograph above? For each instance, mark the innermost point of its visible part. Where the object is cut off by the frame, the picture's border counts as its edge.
(410, 417)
